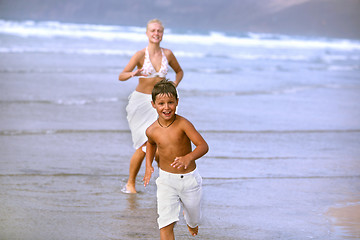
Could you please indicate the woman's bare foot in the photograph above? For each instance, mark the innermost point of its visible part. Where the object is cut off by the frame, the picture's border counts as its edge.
(193, 231)
(128, 188)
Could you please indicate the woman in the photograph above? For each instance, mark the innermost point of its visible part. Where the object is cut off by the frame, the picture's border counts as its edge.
(152, 66)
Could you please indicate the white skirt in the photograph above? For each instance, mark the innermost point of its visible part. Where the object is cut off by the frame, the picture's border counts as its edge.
(140, 115)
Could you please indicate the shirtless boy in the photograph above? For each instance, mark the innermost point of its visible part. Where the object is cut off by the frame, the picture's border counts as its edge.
(179, 181)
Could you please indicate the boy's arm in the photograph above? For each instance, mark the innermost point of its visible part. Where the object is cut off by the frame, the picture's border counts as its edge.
(150, 153)
(200, 150)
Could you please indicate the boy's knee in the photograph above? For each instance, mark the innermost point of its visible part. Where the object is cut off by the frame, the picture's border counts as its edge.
(167, 232)
(168, 227)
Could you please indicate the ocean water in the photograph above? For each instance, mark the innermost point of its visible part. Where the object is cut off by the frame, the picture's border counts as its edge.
(281, 115)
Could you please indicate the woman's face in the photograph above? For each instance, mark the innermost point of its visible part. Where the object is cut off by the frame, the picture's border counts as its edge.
(155, 32)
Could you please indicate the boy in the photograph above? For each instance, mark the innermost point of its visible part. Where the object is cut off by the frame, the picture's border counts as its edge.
(178, 181)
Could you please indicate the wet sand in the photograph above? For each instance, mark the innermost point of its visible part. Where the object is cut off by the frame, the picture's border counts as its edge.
(346, 219)
(232, 209)
(41, 198)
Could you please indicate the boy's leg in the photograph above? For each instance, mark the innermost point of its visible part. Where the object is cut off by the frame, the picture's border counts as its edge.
(193, 231)
(168, 202)
(191, 199)
(167, 233)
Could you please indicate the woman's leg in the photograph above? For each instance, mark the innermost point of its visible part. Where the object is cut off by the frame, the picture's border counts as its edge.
(135, 165)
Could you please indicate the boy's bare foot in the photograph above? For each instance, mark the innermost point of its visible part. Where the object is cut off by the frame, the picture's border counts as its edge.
(128, 188)
(193, 231)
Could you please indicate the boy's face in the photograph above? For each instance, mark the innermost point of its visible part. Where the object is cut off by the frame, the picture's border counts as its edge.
(165, 106)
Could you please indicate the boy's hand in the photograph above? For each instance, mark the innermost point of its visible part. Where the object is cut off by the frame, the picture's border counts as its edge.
(180, 162)
(148, 172)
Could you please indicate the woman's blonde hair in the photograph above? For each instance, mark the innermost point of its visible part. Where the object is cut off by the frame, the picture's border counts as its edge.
(155, 20)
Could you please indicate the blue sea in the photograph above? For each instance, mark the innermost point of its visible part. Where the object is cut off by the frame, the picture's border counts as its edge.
(280, 113)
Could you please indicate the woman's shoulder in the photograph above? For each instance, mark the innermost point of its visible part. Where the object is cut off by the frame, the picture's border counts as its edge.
(141, 52)
(167, 52)
(139, 55)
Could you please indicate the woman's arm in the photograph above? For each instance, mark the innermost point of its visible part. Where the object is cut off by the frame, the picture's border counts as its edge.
(128, 70)
(174, 64)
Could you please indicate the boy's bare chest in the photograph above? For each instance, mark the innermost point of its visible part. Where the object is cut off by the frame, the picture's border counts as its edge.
(168, 138)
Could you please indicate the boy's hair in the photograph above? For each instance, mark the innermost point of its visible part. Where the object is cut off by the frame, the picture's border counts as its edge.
(155, 20)
(164, 87)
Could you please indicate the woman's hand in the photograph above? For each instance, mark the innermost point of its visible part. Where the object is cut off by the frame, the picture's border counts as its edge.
(137, 73)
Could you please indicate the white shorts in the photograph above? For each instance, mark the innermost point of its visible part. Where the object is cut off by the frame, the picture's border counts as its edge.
(174, 190)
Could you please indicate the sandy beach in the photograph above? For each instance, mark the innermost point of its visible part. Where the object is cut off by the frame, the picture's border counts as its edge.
(237, 205)
(280, 114)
